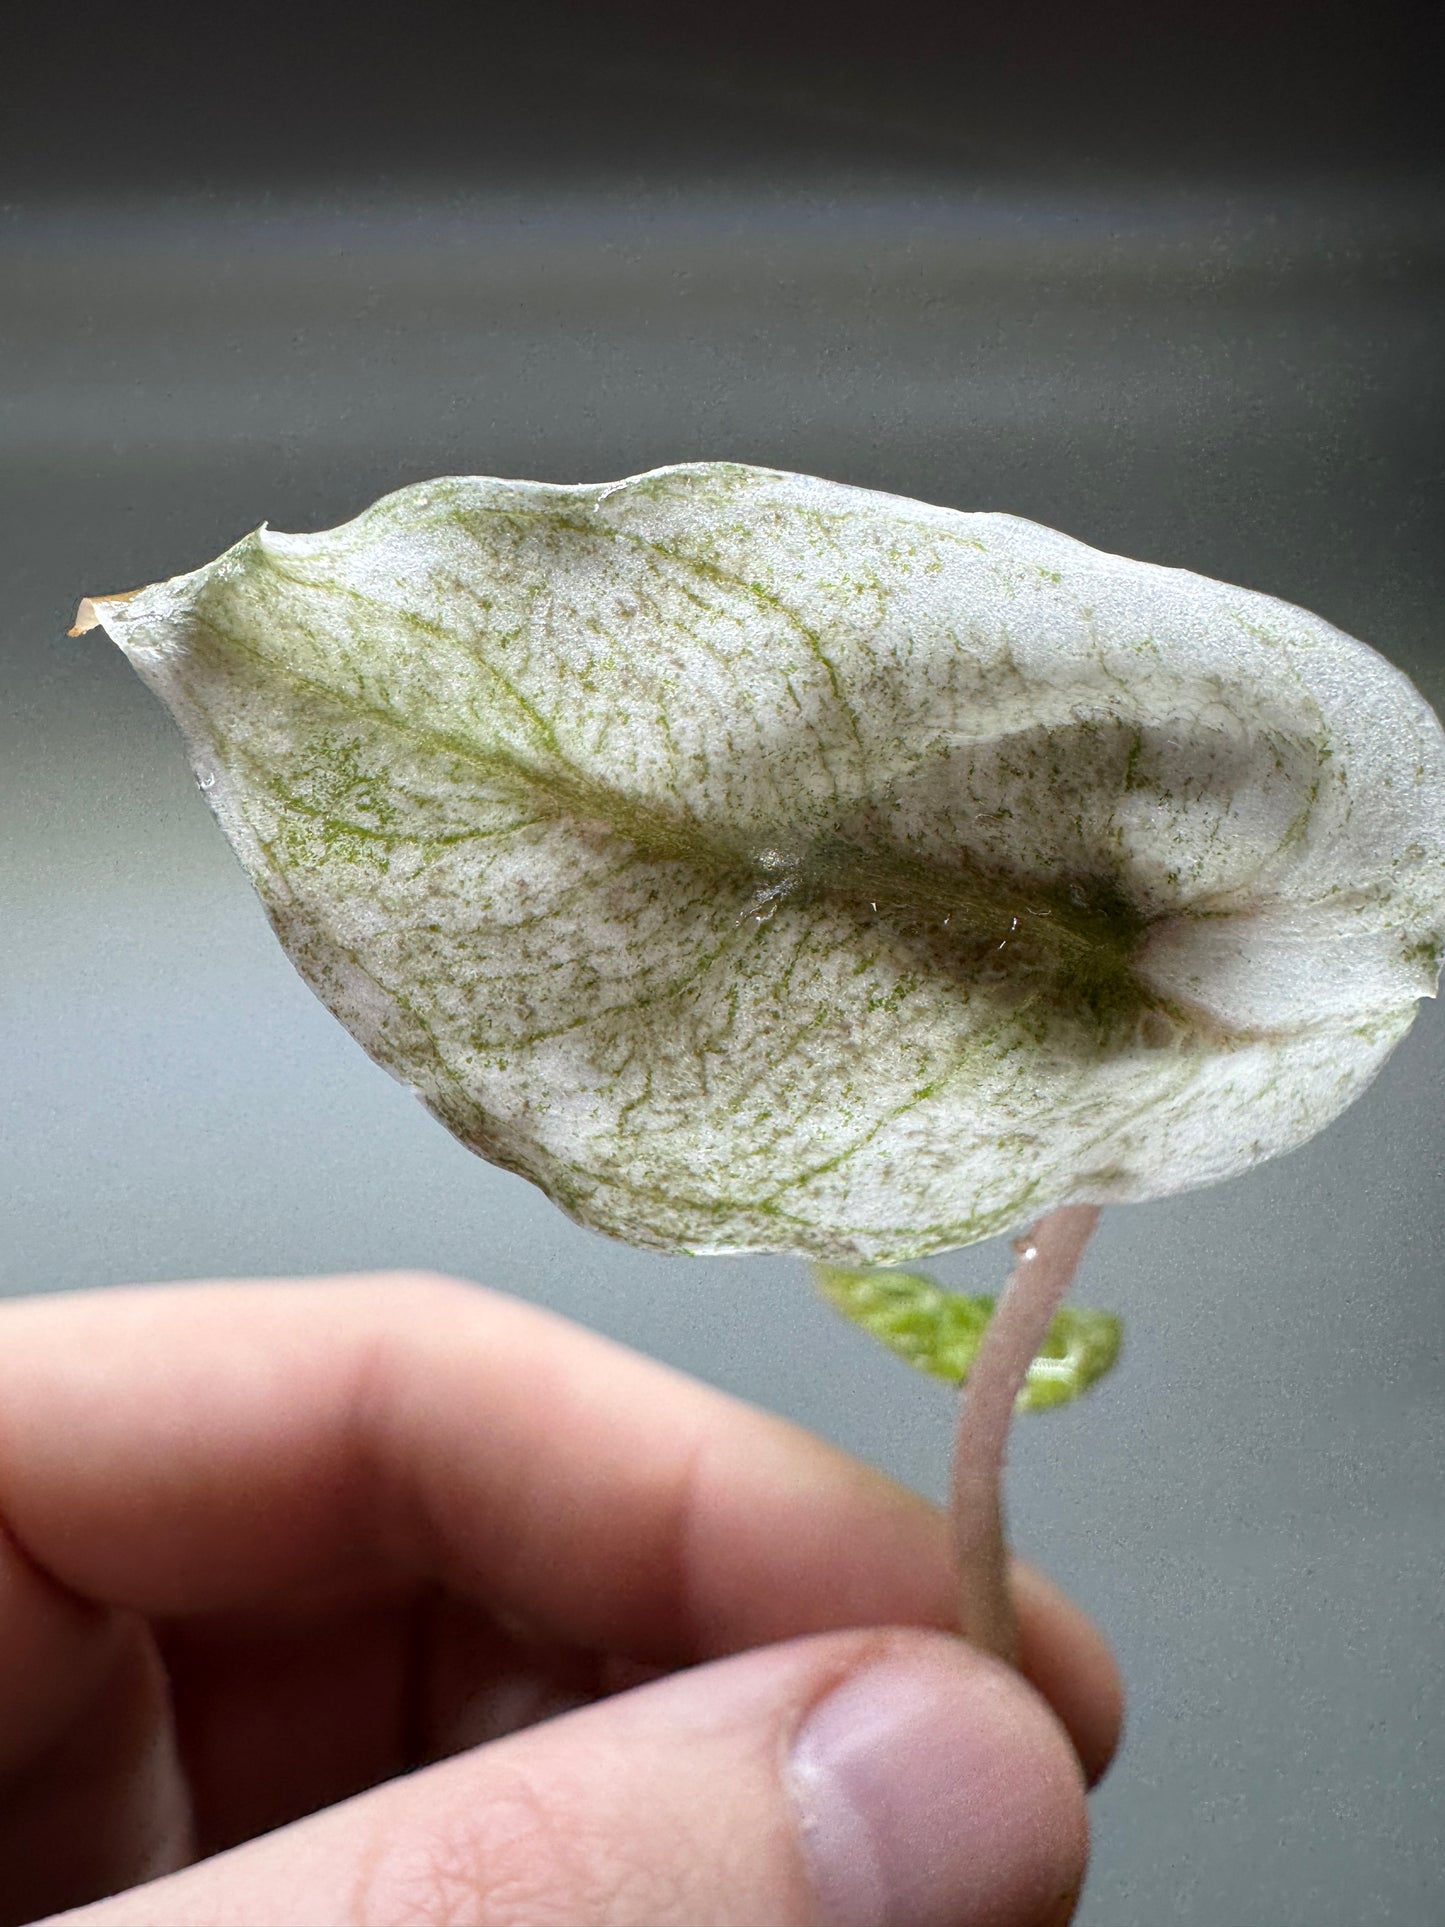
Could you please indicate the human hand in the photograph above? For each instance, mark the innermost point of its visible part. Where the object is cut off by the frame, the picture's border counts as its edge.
(392, 1601)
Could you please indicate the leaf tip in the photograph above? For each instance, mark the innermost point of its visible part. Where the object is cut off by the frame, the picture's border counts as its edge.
(91, 613)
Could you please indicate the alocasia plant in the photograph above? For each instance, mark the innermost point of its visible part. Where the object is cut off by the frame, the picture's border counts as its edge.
(761, 864)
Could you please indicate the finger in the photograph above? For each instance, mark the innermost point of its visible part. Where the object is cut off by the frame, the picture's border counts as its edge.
(858, 1780)
(54, 1653)
(204, 1449)
(81, 1696)
(1067, 1659)
(281, 1715)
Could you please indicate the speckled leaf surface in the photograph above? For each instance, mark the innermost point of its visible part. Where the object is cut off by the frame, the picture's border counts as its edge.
(758, 863)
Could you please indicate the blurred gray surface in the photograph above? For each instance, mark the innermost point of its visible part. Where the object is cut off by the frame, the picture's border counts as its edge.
(1246, 383)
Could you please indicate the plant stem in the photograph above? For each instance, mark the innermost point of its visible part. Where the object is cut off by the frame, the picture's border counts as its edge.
(1047, 1258)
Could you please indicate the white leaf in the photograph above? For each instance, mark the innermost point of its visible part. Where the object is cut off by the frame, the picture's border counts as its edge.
(762, 864)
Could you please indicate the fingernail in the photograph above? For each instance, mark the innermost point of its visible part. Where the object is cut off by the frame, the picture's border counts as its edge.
(937, 1792)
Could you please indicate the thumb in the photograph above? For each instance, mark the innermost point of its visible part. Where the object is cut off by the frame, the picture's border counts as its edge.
(875, 1779)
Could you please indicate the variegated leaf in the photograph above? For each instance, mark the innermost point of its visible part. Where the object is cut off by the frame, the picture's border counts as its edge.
(758, 863)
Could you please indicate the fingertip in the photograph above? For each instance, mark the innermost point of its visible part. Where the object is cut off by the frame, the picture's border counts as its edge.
(937, 1790)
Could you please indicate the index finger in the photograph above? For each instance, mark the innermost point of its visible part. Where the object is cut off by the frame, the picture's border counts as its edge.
(177, 1450)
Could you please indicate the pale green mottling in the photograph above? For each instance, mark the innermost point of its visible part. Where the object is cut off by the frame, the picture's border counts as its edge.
(940, 1332)
(758, 863)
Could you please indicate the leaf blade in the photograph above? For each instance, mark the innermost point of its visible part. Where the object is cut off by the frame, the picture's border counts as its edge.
(756, 863)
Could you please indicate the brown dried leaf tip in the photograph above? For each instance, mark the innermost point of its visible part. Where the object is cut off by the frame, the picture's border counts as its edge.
(87, 616)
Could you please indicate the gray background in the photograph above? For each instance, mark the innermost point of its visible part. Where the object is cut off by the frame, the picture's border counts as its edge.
(1179, 296)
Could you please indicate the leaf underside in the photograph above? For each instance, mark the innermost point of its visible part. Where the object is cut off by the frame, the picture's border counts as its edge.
(757, 863)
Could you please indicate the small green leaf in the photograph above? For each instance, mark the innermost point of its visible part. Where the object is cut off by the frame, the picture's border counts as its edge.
(940, 1332)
